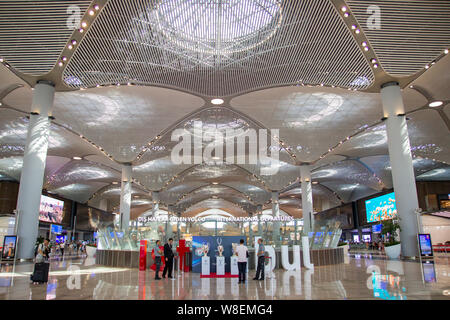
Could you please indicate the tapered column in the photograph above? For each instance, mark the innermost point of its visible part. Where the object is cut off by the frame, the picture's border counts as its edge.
(276, 214)
(250, 231)
(259, 213)
(155, 197)
(178, 225)
(402, 167)
(307, 199)
(33, 168)
(125, 197)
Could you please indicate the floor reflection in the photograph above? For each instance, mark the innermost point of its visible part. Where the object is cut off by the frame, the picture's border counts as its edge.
(361, 277)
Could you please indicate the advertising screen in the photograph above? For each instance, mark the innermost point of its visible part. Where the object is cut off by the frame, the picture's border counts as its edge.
(51, 210)
(381, 208)
(425, 246)
(56, 229)
(9, 247)
(376, 228)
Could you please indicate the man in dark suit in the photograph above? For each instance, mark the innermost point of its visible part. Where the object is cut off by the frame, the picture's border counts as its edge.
(168, 256)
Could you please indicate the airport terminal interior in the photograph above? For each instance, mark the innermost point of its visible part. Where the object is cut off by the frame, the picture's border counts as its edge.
(315, 129)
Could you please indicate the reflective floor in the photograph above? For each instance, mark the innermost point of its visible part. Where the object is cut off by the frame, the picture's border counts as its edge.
(362, 276)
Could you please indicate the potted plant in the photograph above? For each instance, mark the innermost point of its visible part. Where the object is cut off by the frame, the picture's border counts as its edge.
(392, 247)
(91, 249)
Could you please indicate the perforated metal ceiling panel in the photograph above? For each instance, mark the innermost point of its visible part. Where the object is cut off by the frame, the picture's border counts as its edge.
(270, 43)
(33, 33)
(410, 34)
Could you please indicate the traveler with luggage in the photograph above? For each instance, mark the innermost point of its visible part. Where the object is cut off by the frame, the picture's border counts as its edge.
(41, 267)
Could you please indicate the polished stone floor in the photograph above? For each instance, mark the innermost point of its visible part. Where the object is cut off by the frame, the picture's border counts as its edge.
(364, 275)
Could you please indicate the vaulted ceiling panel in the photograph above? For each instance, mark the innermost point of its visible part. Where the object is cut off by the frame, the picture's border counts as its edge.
(218, 48)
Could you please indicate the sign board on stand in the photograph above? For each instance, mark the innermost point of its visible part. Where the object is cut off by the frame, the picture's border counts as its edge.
(234, 265)
(425, 246)
(220, 266)
(205, 266)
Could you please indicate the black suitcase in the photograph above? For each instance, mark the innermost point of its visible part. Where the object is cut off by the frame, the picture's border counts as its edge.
(40, 273)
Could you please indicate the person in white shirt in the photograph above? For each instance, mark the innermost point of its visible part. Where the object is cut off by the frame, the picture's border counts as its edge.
(61, 247)
(242, 254)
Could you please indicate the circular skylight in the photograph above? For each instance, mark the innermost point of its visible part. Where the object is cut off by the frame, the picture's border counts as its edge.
(218, 26)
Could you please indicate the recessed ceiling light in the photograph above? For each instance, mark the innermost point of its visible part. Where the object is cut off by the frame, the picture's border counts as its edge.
(91, 12)
(81, 30)
(315, 182)
(344, 9)
(357, 31)
(217, 101)
(353, 27)
(60, 64)
(115, 182)
(446, 51)
(346, 14)
(74, 42)
(364, 44)
(1, 60)
(77, 158)
(435, 104)
(215, 183)
(96, 7)
(84, 24)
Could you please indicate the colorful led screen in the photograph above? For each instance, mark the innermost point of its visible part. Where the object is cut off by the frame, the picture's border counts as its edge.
(51, 210)
(381, 208)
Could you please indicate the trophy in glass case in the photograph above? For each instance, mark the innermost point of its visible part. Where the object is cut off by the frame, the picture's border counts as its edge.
(219, 247)
(205, 249)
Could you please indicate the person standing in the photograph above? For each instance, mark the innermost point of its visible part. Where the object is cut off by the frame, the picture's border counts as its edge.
(168, 256)
(261, 256)
(158, 253)
(242, 254)
(61, 248)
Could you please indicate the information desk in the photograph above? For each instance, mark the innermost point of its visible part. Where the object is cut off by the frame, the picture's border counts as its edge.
(130, 259)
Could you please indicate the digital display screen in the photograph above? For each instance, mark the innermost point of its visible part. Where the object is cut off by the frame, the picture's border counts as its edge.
(381, 208)
(9, 247)
(56, 229)
(425, 246)
(377, 228)
(51, 210)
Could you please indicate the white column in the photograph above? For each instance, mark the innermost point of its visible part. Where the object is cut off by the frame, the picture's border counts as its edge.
(259, 213)
(307, 199)
(402, 167)
(125, 197)
(250, 230)
(155, 197)
(276, 214)
(33, 168)
(178, 225)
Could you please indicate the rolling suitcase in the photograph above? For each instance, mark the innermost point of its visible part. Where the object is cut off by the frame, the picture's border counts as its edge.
(40, 273)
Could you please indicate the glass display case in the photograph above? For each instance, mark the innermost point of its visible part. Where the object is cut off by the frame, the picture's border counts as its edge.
(326, 234)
